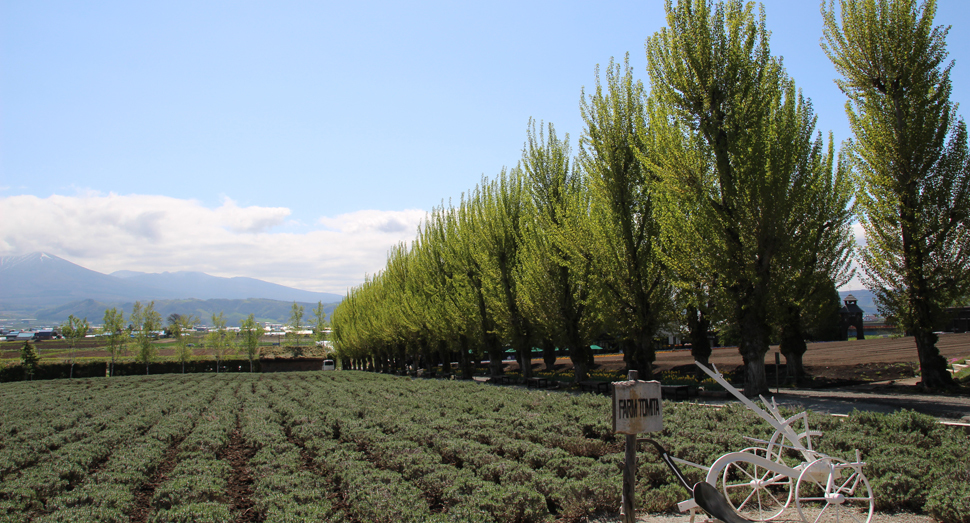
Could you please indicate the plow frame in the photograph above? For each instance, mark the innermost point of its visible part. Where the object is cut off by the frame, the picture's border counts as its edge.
(759, 485)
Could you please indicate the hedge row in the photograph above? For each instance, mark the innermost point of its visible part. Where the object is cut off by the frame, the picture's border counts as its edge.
(93, 369)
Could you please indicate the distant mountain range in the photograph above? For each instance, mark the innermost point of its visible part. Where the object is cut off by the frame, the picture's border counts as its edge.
(234, 311)
(43, 283)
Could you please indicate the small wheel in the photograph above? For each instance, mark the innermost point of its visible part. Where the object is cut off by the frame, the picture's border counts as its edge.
(833, 490)
(754, 492)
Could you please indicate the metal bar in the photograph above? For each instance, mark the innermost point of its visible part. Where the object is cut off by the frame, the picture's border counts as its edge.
(779, 426)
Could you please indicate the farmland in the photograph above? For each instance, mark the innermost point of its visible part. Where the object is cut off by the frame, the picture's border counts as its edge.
(362, 447)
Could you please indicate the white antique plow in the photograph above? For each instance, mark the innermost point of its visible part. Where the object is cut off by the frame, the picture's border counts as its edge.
(783, 478)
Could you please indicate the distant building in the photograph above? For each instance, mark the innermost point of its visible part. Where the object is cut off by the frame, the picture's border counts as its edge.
(46, 334)
(852, 317)
(959, 319)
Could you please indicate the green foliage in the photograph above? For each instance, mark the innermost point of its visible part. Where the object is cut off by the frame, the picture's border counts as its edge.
(555, 271)
(97, 368)
(145, 323)
(296, 323)
(624, 219)
(910, 159)
(950, 503)
(179, 326)
(74, 330)
(113, 329)
(28, 359)
(251, 333)
(320, 323)
(742, 171)
(219, 341)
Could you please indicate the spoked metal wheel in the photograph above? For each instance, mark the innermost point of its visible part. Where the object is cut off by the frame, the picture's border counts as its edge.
(755, 492)
(831, 490)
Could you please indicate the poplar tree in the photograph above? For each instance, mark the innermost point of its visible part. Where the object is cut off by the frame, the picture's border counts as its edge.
(29, 360)
(820, 250)
(179, 325)
(499, 214)
(114, 330)
(397, 309)
(450, 264)
(74, 330)
(320, 322)
(744, 129)
(441, 314)
(911, 162)
(218, 340)
(556, 268)
(624, 218)
(296, 321)
(468, 224)
(251, 334)
(146, 320)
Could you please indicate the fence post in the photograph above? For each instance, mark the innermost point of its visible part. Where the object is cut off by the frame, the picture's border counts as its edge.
(629, 508)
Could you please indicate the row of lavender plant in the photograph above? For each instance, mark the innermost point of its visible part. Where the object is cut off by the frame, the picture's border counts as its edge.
(89, 466)
(349, 446)
(195, 489)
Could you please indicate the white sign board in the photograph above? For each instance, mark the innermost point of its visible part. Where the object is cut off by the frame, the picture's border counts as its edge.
(637, 407)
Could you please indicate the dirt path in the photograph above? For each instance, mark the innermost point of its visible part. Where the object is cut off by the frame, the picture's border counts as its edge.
(817, 358)
(239, 487)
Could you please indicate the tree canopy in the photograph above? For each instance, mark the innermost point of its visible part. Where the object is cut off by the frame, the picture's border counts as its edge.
(911, 162)
(709, 203)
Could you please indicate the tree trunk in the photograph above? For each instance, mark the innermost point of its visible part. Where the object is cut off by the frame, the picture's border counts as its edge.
(578, 355)
(495, 355)
(932, 364)
(525, 361)
(700, 343)
(753, 347)
(639, 355)
(445, 356)
(549, 354)
(793, 344)
(464, 358)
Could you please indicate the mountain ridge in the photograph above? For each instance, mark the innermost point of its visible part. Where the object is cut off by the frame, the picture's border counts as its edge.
(40, 281)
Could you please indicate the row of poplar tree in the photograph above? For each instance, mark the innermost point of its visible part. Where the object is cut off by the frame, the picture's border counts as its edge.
(707, 202)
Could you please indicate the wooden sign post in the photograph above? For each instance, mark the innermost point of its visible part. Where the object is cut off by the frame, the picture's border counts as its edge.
(636, 409)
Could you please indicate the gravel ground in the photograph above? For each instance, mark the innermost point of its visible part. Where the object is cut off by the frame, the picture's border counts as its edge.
(843, 401)
(876, 518)
(874, 397)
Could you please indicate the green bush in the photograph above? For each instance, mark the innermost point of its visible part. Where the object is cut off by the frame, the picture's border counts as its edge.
(950, 503)
(194, 513)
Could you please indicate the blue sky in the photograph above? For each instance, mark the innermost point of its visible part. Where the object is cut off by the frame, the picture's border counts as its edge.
(297, 141)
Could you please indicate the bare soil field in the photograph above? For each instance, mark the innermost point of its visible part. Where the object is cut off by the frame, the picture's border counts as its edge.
(829, 363)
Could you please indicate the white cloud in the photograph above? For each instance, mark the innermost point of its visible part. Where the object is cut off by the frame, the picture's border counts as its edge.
(860, 241)
(859, 233)
(157, 233)
(250, 219)
(390, 222)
